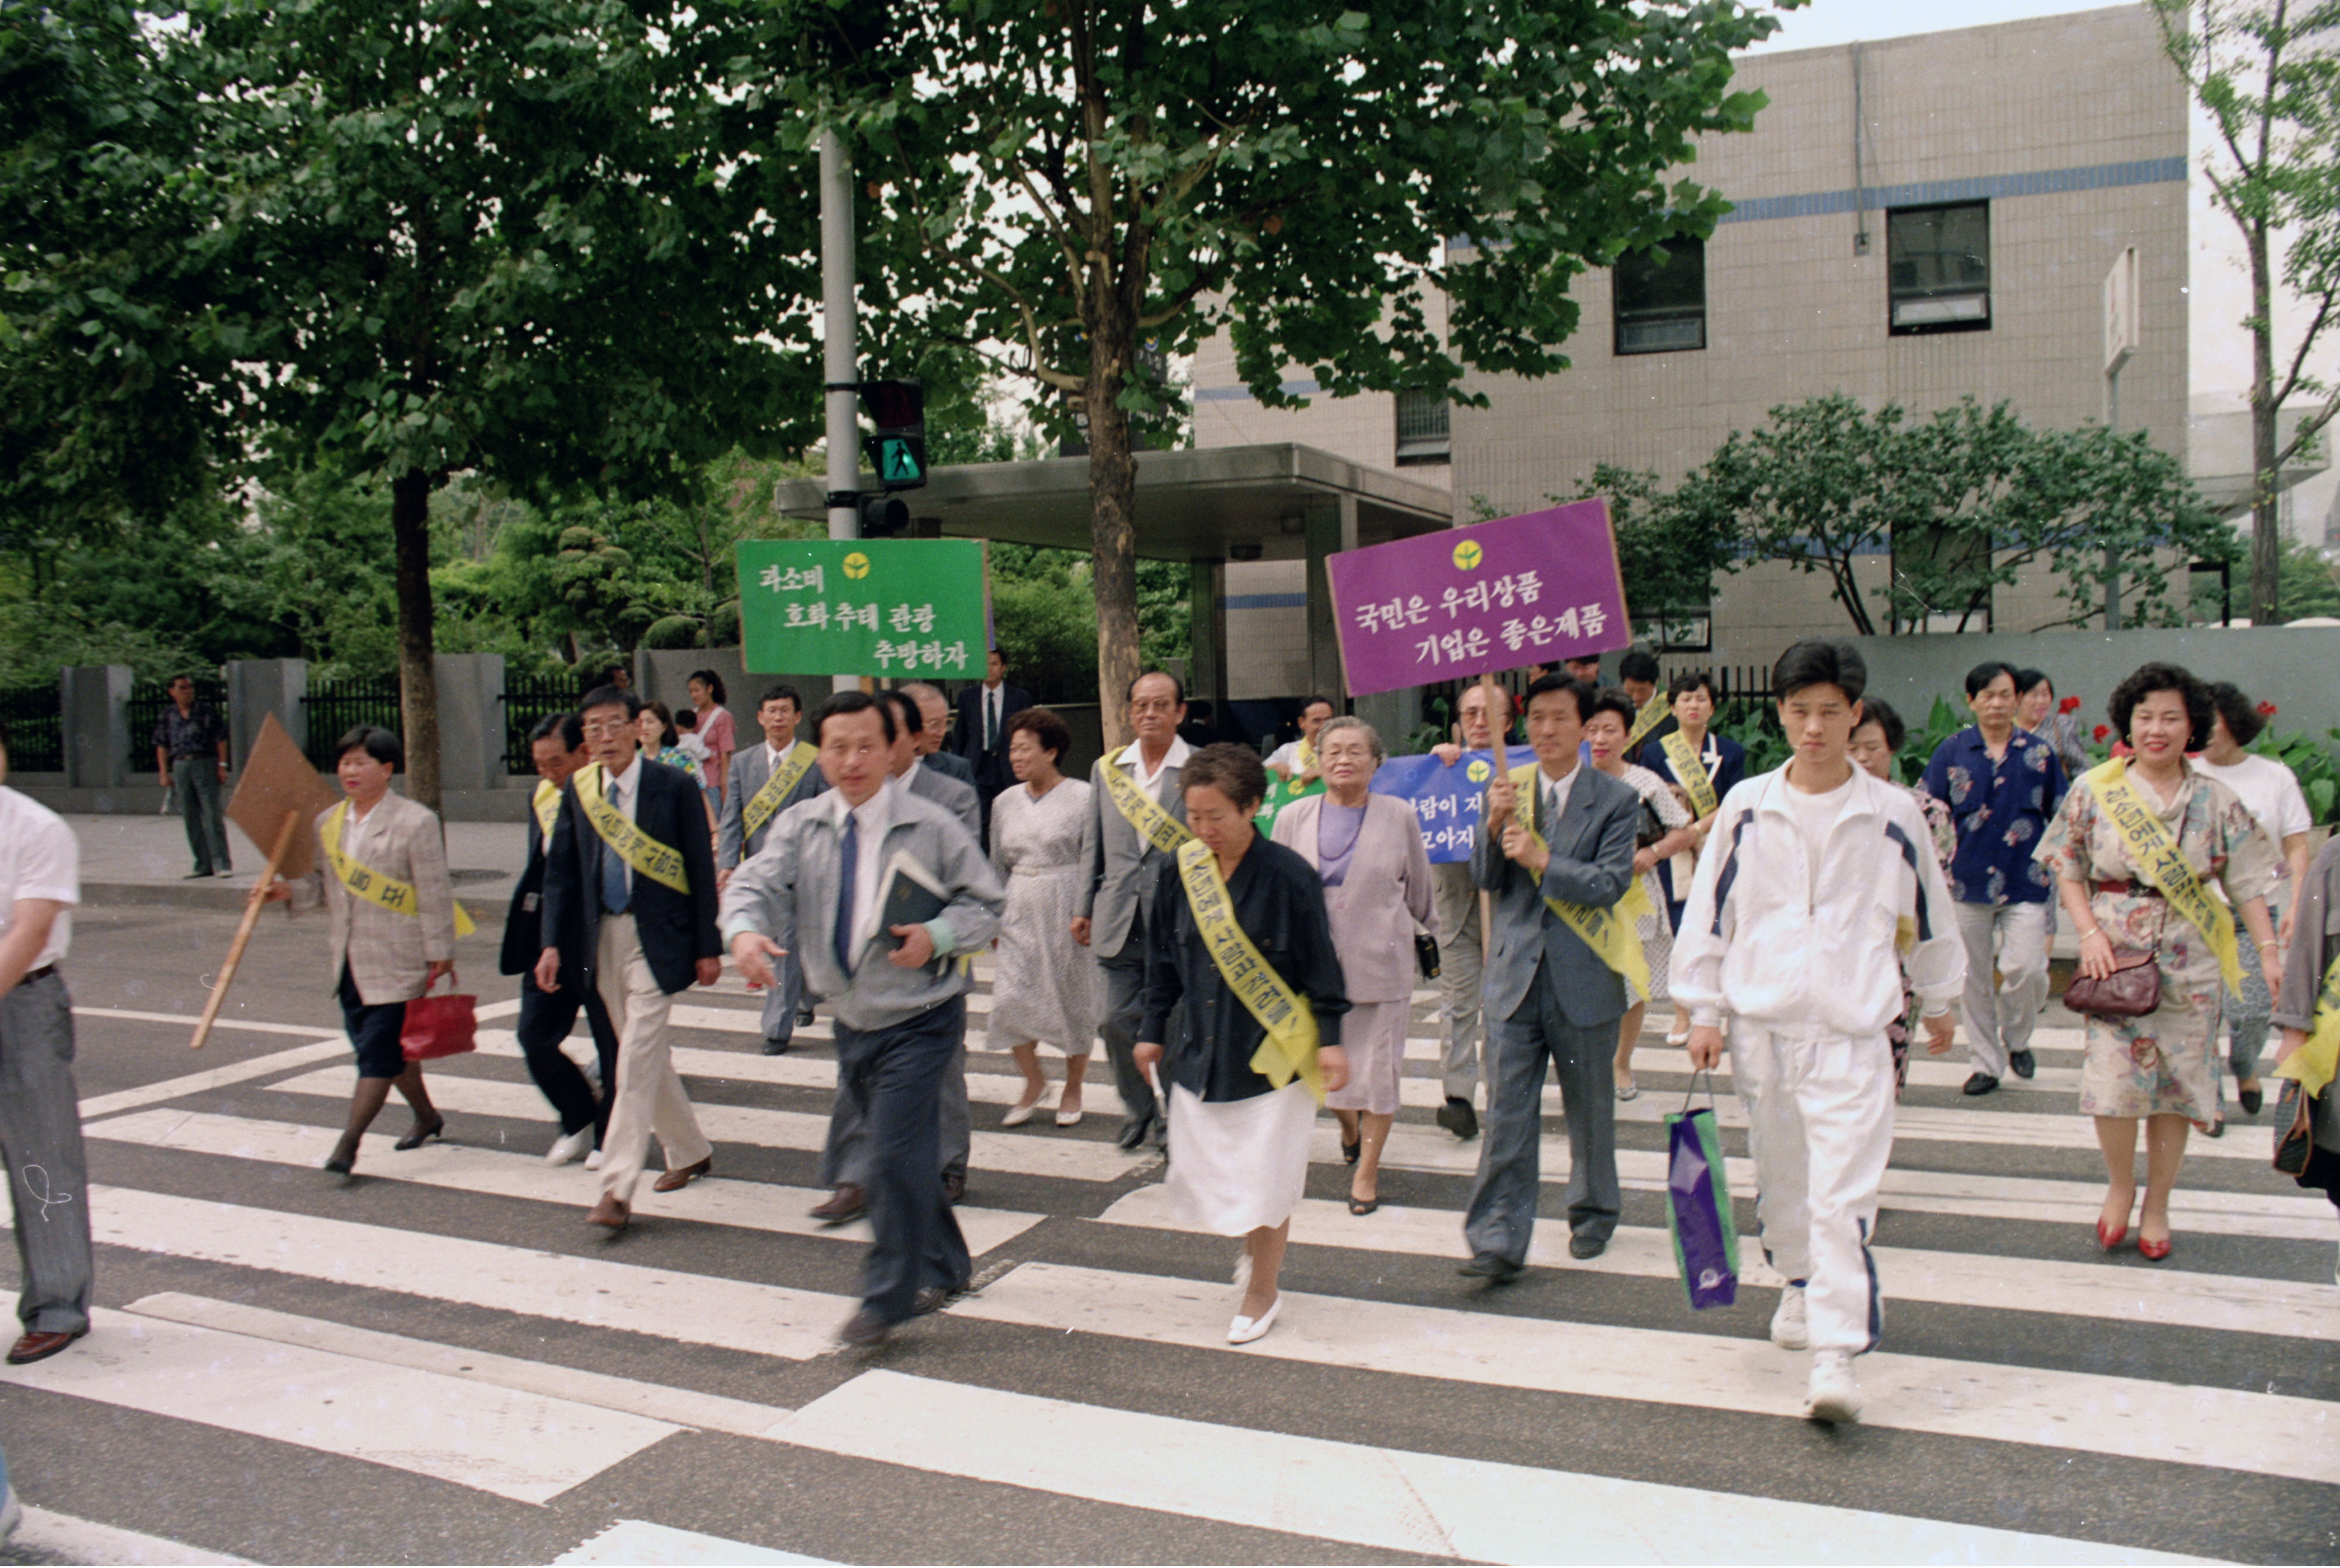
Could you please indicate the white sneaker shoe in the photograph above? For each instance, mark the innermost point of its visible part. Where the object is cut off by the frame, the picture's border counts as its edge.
(1835, 1392)
(593, 1160)
(569, 1146)
(12, 1514)
(1789, 1331)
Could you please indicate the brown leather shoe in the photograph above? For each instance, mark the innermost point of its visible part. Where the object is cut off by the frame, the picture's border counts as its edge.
(39, 1346)
(864, 1329)
(676, 1180)
(844, 1205)
(610, 1211)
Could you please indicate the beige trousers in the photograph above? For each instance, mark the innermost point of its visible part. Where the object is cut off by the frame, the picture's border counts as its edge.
(650, 1096)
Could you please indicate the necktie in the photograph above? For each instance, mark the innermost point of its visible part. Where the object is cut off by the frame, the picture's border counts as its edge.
(991, 720)
(848, 872)
(613, 870)
(1551, 811)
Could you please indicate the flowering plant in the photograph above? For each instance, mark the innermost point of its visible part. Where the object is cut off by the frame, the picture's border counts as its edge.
(2268, 710)
(2103, 731)
(2069, 705)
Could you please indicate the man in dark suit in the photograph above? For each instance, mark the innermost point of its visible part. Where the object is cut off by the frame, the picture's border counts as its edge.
(1565, 834)
(766, 780)
(558, 745)
(980, 734)
(931, 731)
(629, 902)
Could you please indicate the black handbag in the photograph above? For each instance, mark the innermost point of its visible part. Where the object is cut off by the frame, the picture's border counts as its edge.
(1426, 955)
(2295, 1138)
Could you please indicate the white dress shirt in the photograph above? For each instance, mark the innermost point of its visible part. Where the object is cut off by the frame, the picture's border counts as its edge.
(39, 858)
(1556, 798)
(1133, 757)
(871, 819)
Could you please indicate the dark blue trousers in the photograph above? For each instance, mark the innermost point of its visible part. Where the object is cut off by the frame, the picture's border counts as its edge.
(545, 1020)
(898, 1074)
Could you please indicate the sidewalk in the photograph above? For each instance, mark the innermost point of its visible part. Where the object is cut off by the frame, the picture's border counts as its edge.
(145, 860)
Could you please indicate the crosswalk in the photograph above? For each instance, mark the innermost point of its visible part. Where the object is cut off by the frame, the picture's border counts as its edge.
(449, 1321)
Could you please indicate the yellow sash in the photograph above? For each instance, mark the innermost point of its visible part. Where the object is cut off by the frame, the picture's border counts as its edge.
(2316, 1061)
(1689, 772)
(1305, 755)
(648, 857)
(1653, 714)
(2160, 862)
(785, 778)
(1608, 932)
(1143, 811)
(547, 805)
(364, 882)
(1290, 1047)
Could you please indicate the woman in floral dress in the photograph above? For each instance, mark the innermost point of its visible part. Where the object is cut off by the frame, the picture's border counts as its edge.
(2160, 1068)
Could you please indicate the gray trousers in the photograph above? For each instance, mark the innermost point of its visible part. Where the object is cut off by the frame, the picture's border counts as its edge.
(784, 995)
(2006, 979)
(196, 791)
(40, 1142)
(1456, 898)
(1125, 1000)
(1503, 1212)
(846, 1157)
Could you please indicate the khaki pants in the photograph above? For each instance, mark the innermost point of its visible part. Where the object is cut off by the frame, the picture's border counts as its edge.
(650, 1096)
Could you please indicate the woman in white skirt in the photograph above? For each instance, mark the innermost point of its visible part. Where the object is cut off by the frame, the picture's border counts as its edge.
(1367, 850)
(1045, 985)
(1239, 1136)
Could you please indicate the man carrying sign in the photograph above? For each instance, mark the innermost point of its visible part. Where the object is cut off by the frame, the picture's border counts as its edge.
(766, 780)
(1461, 946)
(1557, 852)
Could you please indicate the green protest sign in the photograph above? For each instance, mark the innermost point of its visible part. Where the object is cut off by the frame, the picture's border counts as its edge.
(903, 608)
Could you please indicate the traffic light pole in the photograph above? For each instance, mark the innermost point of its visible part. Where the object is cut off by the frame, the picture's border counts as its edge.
(838, 369)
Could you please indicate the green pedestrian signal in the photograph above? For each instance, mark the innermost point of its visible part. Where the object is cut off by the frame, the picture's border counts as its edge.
(899, 461)
(899, 450)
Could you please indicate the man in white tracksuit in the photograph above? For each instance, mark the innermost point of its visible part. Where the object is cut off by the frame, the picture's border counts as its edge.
(1817, 878)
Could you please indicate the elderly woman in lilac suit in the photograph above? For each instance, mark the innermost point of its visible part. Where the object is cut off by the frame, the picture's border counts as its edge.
(1368, 850)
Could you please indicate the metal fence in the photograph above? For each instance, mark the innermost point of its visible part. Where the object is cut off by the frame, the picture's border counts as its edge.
(36, 728)
(334, 708)
(144, 710)
(527, 699)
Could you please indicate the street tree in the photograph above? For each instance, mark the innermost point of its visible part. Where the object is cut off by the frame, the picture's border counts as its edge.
(1080, 187)
(2267, 73)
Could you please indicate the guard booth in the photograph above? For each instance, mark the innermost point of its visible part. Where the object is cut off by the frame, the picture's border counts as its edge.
(1207, 507)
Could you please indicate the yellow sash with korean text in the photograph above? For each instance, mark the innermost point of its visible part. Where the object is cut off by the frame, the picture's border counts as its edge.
(661, 863)
(546, 803)
(2159, 861)
(1653, 714)
(364, 882)
(1608, 932)
(1289, 1050)
(2317, 1060)
(1143, 812)
(1689, 772)
(785, 778)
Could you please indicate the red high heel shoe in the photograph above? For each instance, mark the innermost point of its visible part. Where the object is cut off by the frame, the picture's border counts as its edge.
(2155, 1251)
(2110, 1239)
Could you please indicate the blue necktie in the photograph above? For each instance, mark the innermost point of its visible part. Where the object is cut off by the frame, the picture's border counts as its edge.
(613, 875)
(849, 869)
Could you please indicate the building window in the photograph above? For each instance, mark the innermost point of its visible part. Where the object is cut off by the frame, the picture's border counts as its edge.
(1421, 429)
(1661, 298)
(1937, 262)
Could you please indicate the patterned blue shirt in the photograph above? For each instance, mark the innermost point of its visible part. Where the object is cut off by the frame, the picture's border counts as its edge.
(2000, 809)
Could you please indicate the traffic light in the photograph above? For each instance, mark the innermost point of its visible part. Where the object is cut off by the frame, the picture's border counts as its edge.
(882, 517)
(899, 450)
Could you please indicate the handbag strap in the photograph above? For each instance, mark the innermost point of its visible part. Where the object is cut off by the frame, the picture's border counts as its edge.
(1690, 1093)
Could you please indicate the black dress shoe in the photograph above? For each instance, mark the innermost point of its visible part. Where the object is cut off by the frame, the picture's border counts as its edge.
(934, 1298)
(2253, 1100)
(776, 1048)
(2023, 1062)
(1457, 1116)
(1980, 1084)
(1584, 1246)
(419, 1136)
(1350, 1151)
(2216, 1129)
(1491, 1266)
(954, 1187)
(864, 1329)
(804, 1016)
(1133, 1130)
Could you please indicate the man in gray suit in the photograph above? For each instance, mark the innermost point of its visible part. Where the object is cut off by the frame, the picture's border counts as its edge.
(1124, 866)
(1550, 995)
(751, 801)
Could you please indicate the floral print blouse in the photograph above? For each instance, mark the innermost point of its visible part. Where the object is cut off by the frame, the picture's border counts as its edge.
(2000, 809)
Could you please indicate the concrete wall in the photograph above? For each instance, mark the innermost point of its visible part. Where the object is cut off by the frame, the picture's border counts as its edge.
(259, 687)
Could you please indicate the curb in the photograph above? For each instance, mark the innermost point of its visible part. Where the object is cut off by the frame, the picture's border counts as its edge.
(220, 893)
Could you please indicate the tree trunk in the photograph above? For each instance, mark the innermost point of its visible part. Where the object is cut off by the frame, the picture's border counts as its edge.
(1113, 517)
(2267, 525)
(410, 526)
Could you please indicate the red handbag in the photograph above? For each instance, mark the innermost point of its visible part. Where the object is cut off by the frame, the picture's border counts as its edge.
(439, 1026)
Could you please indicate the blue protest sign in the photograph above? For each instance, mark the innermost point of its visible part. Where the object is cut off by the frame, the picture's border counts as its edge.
(1446, 801)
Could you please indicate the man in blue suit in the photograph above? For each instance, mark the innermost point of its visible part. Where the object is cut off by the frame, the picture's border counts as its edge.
(1564, 837)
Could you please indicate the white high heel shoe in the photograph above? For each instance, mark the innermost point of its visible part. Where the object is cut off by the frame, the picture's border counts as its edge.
(1244, 1330)
(1017, 1116)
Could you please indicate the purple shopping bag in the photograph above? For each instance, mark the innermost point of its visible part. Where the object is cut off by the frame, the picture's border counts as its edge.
(1698, 1206)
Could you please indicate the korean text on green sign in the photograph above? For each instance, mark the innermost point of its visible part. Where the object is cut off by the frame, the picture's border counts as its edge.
(899, 608)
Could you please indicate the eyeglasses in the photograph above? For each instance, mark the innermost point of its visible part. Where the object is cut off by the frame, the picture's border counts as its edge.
(610, 726)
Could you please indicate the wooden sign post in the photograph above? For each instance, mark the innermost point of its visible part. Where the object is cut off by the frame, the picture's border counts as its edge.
(276, 803)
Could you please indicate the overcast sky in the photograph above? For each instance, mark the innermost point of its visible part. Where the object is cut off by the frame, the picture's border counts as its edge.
(1825, 22)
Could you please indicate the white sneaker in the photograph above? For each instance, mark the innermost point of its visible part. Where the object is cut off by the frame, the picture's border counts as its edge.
(1835, 1393)
(569, 1146)
(1789, 1331)
(12, 1514)
(593, 1160)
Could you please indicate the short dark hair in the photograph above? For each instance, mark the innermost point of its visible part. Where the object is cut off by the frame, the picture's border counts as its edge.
(1638, 664)
(846, 702)
(714, 684)
(2241, 714)
(1049, 732)
(624, 696)
(1878, 712)
(906, 707)
(376, 742)
(181, 675)
(1989, 670)
(780, 691)
(1612, 700)
(1308, 702)
(1175, 684)
(2029, 680)
(1820, 661)
(4, 735)
(1690, 681)
(1235, 771)
(666, 735)
(2147, 678)
(567, 728)
(687, 720)
(1579, 691)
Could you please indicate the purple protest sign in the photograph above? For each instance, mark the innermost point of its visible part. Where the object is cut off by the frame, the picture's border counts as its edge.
(1528, 590)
